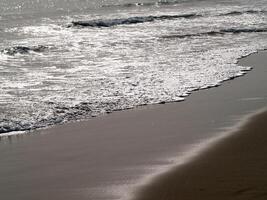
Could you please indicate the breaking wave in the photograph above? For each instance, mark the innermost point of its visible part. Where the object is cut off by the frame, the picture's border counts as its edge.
(99, 23)
(126, 21)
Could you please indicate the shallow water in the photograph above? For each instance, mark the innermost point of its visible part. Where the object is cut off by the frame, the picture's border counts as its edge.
(68, 60)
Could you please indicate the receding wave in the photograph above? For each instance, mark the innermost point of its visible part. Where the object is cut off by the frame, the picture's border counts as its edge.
(216, 33)
(60, 114)
(126, 21)
(23, 50)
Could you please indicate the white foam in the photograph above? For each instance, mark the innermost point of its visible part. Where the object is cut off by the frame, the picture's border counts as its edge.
(125, 66)
(44, 30)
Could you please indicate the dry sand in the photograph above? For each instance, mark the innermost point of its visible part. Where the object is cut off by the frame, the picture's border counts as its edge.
(100, 158)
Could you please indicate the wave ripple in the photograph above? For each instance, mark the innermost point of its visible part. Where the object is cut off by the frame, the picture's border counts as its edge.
(126, 21)
(220, 32)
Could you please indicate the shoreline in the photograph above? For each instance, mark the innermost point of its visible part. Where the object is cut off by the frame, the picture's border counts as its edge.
(243, 73)
(203, 173)
(105, 157)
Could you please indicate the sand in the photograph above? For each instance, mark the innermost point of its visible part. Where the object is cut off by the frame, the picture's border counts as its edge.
(234, 168)
(104, 157)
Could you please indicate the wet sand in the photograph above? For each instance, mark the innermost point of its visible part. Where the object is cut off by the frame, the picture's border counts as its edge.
(105, 157)
(234, 168)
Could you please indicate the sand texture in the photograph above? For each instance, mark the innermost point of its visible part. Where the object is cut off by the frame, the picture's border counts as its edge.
(233, 169)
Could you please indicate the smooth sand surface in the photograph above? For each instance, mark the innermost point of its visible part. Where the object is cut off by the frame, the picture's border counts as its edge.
(102, 158)
(233, 169)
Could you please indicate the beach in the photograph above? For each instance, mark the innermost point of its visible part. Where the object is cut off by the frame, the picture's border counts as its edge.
(110, 100)
(113, 156)
(234, 168)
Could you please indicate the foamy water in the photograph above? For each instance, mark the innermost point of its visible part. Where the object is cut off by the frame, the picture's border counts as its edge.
(69, 61)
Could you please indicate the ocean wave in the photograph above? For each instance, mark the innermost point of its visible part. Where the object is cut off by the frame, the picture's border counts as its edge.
(233, 13)
(216, 33)
(127, 5)
(244, 30)
(126, 21)
(144, 4)
(99, 23)
(23, 50)
(97, 71)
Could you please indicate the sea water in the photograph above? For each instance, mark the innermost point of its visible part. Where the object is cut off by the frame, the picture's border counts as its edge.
(67, 60)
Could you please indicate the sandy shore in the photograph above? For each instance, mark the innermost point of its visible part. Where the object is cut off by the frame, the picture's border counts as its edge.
(104, 157)
(234, 168)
